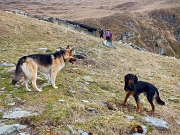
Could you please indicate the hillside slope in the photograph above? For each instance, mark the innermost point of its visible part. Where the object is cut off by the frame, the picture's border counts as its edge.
(20, 35)
(83, 9)
(150, 24)
(151, 30)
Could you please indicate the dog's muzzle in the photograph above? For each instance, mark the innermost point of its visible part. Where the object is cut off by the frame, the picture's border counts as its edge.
(72, 60)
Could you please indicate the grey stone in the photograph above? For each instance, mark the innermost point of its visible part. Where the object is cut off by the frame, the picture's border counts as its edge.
(109, 44)
(130, 117)
(71, 129)
(6, 64)
(88, 78)
(61, 100)
(157, 123)
(18, 114)
(72, 91)
(11, 104)
(8, 130)
(43, 49)
(85, 101)
(87, 83)
(81, 132)
(93, 110)
(11, 69)
(175, 100)
(3, 89)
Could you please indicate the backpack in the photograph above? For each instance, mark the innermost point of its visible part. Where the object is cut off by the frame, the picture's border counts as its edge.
(108, 34)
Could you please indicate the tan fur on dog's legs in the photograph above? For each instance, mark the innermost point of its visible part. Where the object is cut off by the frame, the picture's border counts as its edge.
(34, 84)
(30, 70)
(53, 78)
(26, 83)
(49, 78)
(54, 72)
(34, 78)
(27, 75)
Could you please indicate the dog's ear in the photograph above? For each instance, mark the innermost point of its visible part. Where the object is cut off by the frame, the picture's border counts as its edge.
(135, 78)
(72, 49)
(126, 78)
(67, 47)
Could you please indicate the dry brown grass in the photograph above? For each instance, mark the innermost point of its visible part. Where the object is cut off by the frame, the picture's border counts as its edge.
(81, 9)
(112, 15)
(20, 36)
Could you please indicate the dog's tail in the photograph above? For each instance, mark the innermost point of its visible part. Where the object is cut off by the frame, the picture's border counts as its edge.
(18, 72)
(158, 99)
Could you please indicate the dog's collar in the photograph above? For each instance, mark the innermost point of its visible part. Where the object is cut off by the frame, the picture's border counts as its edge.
(63, 58)
(129, 88)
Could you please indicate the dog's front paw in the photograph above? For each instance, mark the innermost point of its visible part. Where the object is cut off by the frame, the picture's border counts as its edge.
(55, 87)
(39, 90)
(28, 90)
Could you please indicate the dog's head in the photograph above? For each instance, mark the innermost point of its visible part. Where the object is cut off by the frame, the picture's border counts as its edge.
(69, 55)
(130, 80)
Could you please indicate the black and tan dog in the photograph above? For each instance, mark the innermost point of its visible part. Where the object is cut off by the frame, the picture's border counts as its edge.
(134, 87)
(50, 64)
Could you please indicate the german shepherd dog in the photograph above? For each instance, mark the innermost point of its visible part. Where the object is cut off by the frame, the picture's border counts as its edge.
(50, 64)
(135, 88)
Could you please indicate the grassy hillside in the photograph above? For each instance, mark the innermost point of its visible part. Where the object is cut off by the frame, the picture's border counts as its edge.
(20, 35)
(145, 29)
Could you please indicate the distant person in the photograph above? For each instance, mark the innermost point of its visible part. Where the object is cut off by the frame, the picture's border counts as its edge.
(101, 32)
(108, 35)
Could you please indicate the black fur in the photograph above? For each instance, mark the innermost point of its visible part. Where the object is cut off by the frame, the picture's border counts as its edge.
(42, 59)
(137, 87)
(18, 72)
(49, 64)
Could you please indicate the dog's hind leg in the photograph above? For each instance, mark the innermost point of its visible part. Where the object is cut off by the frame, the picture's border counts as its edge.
(49, 78)
(150, 99)
(33, 67)
(138, 107)
(26, 83)
(34, 78)
(27, 75)
(34, 84)
(137, 102)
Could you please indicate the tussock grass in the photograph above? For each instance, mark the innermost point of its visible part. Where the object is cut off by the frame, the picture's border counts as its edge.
(23, 36)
